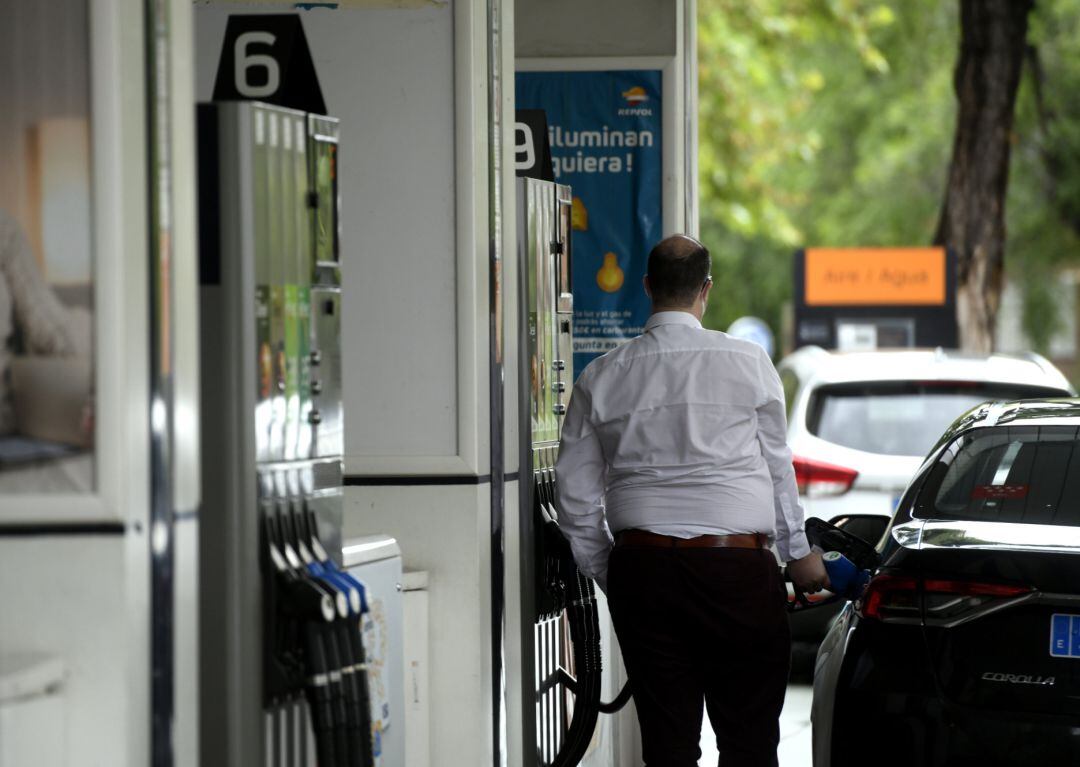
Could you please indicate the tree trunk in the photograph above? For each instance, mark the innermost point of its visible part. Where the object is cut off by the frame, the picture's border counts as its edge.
(992, 43)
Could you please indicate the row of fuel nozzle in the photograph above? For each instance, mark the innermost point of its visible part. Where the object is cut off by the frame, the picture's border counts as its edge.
(313, 645)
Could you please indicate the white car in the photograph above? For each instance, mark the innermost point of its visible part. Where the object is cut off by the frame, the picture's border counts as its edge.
(861, 423)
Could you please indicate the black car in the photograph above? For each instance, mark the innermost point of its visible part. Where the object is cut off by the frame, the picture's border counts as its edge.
(964, 648)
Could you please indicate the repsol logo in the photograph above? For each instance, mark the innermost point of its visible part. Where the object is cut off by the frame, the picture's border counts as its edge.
(996, 676)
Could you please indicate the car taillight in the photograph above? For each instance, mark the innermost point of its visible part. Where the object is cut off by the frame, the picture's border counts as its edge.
(949, 600)
(817, 478)
(899, 598)
(890, 597)
(972, 589)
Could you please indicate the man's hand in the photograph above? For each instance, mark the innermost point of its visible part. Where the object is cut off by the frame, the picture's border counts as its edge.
(808, 573)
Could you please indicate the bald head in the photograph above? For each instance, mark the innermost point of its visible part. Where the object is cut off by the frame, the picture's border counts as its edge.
(678, 269)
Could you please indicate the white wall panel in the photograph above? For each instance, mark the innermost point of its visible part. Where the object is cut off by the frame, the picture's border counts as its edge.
(66, 597)
(560, 28)
(446, 532)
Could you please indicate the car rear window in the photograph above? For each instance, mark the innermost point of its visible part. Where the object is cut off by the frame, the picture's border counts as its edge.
(1007, 474)
(902, 417)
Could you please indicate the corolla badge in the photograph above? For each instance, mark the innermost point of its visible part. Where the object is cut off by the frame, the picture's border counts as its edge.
(997, 676)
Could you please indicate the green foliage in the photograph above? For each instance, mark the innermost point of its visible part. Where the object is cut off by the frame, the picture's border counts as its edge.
(1043, 207)
(830, 122)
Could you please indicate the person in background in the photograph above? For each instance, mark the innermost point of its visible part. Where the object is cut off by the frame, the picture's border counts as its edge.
(674, 479)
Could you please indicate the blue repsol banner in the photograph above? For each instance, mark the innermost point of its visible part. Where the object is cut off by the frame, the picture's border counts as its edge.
(604, 130)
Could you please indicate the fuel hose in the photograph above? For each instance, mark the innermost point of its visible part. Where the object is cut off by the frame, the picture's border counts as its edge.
(351, 689)
(349, 735)
(319, 605)
(354, 669)
(319, 696)
(569, 588)
(337, 698)
(585, 637)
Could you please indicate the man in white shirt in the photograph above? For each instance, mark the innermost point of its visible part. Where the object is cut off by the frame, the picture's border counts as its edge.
(674, 477)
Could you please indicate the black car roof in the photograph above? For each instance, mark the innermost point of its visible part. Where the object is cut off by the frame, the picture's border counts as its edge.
(1034, 412)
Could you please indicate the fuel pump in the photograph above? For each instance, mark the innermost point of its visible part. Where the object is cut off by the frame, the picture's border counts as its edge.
(284, 674)
(563, 636)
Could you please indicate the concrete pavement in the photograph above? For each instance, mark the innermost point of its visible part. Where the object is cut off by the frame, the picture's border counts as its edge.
(795, 741)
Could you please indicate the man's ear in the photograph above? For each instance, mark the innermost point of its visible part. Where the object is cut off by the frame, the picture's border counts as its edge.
(705, 290)
(645, 283)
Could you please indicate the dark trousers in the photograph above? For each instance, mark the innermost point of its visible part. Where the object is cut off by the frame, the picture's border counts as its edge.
(703, 625)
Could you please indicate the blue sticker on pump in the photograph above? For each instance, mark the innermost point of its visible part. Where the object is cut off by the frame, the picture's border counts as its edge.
(1074, 650)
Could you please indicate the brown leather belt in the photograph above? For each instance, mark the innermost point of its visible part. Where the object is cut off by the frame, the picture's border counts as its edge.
(736, 541)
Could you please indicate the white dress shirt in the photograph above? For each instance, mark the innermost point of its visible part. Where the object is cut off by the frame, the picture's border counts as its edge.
(682, 432)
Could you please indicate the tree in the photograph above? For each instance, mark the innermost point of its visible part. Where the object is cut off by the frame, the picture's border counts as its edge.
(992, 46)
(821, 123)
(1043, 215)
(833, 122)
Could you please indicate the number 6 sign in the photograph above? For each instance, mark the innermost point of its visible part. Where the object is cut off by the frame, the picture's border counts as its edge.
(265, 57)
(245, 62)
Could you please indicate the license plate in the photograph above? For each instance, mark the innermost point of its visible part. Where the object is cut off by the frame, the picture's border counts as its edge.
(1065, 636)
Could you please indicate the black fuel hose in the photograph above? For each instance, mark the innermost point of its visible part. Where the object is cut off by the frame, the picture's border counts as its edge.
(619, 702)
(339, 666)
(354, 681)
(343, 685)
(576, 593)
(319, 696)
(337, 693)
(584, 635)
(583, 619)
(312, 601)
(350, 695)
(322, 667)
(355, 672)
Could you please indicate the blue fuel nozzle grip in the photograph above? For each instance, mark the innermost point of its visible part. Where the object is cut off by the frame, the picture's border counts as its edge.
(844, 577)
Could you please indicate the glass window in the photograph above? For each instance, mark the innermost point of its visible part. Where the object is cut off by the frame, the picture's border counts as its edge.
(1007, 474)
(905, 417)
(46, 264)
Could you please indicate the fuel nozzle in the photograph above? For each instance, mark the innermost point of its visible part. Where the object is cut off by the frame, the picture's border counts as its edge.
(849, 562)
(845, 578)
(307, 602)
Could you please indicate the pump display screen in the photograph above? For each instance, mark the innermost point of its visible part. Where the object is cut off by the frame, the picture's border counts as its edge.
(565, 287)
(326, 229)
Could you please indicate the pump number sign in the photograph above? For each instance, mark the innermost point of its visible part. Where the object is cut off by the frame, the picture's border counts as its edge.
(265, 57)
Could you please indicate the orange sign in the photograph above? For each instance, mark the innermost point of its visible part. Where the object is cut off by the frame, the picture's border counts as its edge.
(875, 277)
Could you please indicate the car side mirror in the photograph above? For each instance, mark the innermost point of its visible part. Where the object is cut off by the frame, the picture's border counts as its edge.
(866, 527)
